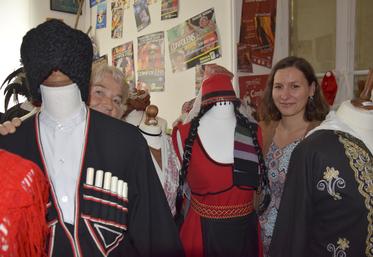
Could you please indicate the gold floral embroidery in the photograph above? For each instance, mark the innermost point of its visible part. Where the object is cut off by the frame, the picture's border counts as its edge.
(330, 181)
(340, 251)
(361, 162)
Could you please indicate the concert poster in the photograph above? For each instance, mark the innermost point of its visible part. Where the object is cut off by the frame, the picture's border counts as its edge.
(150, 61)
(194, 41)
(169, 9)
(122, 58)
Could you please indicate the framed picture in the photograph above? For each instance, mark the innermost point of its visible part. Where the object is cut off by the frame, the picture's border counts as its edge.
(69, 6)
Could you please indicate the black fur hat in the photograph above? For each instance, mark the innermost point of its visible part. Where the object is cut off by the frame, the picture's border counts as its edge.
(53, 45)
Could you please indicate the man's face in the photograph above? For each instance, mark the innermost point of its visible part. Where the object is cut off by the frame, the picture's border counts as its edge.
(107, 97)
(57, 79)
(203, 22)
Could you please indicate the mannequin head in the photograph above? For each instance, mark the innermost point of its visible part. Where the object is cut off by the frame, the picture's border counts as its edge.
(151, 112)
(310, 100)
(150, 128)
(150, 125)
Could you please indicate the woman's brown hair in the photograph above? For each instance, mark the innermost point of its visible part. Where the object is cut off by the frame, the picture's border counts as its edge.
(316, 109)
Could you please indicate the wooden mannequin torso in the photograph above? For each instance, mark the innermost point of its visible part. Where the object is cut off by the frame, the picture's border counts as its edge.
(152, 133)
(216, 132)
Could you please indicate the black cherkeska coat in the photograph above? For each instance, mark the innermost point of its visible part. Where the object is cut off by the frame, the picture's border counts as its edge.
(106, 224)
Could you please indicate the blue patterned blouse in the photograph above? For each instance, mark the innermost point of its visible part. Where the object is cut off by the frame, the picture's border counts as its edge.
(277, 161)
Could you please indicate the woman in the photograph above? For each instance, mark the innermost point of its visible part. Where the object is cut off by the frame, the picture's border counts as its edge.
(223, 165)
(292, 105)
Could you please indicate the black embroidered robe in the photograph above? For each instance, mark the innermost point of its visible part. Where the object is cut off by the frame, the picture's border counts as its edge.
(327, 204)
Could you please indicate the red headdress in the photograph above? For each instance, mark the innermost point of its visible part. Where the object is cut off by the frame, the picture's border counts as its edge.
(329, 87)
(218, 88)
(24, 195)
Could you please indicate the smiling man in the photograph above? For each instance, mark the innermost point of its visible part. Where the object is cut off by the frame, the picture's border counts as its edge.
(109, 91)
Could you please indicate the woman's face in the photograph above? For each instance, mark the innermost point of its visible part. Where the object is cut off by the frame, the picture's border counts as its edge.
(291, 92)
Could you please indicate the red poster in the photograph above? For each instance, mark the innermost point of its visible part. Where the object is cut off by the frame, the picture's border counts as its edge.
(244, 58)
(258, 22)
(251, 89)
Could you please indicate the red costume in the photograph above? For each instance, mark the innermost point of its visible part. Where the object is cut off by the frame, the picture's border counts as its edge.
(211, 185)
(24, 195)
(221, 220)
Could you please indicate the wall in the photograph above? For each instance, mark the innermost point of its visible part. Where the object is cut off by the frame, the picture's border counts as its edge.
(17, 17)
(14, 22)
(179, 87)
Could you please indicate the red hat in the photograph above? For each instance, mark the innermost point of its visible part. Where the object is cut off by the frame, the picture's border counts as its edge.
(218, 88)
(329, 87)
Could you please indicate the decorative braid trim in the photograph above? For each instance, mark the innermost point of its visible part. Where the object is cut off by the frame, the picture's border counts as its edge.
(361, 162)
(221, 211)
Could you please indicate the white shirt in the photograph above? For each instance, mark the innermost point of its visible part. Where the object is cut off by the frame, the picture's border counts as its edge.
(62, 144)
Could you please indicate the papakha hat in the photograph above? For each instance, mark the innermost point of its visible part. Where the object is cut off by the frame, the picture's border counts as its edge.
(53, 45)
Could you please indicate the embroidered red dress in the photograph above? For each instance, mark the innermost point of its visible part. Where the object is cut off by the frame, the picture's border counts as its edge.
(221, 220)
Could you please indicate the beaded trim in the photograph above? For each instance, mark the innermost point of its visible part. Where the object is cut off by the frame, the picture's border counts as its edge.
(221, 212)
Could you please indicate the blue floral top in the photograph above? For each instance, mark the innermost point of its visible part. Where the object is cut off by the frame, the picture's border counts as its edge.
(277, 161)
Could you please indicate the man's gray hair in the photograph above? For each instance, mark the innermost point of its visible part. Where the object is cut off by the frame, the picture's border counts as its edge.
(100, 70)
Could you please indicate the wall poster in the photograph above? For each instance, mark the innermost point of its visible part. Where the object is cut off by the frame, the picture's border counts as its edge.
(142, 15)
(101, 16)
(122, 58)
(117, 19)
(150, 61)
(258, 23)
(169, 9)
(194, 41)
(251, 91)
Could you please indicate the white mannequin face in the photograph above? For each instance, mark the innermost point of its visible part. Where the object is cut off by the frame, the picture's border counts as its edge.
(291, 91)
(107, 97)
